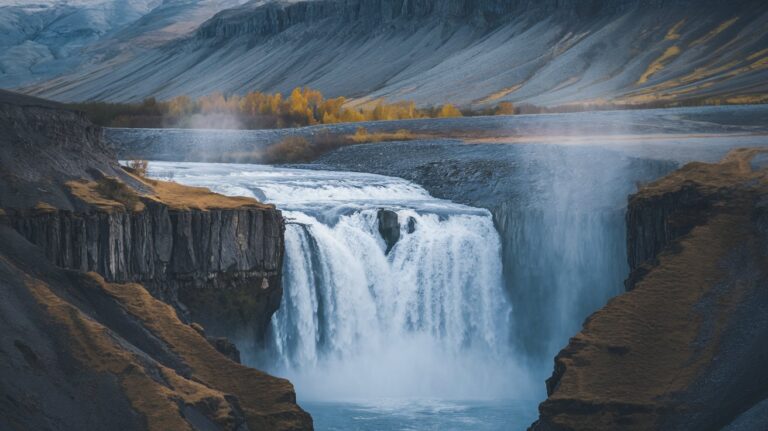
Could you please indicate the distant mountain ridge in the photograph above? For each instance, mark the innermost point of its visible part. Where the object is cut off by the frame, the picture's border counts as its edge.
(42, 39)
(467, 52)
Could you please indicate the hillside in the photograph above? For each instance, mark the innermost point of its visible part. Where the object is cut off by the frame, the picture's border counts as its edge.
(104, 279)
(466, 52)
(682, 349)
(43, 39)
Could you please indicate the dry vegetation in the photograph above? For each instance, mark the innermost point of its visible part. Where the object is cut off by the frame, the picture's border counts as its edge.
(139, 167)
(636, 355)
(298, 149)
(255, 110)
(111, 193)
(154, 390)
(106, 194)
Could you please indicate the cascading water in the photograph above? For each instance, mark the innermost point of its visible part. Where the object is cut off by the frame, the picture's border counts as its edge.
(430, 318)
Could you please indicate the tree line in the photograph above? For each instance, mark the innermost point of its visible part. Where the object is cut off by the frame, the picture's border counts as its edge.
(256, 110)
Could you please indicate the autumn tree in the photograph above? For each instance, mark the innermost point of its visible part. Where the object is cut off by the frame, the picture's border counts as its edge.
(504, 108)
(448, 111)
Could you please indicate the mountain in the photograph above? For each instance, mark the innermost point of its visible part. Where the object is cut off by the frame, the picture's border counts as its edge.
(466, 52)
(40, 40)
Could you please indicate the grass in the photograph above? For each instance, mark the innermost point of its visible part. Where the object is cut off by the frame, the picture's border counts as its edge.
(362, 136)
(643, 351)
(299, 149)
(659, 63)
(154, 390)
(111, 194)
(262, 397)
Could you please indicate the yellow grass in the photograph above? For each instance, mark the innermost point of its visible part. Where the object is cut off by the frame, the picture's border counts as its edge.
(45, 207)
(362, 136)
(499, 94)
(762, 53)
(96, 347)
(262, 397)
(717, 30)
(674, 32)
(659, 63)
(110, 193)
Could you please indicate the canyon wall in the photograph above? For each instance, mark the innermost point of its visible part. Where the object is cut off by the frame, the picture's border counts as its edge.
(185, 251)
(274, 18)
(221, 268)
(85, 346)
(682, 349)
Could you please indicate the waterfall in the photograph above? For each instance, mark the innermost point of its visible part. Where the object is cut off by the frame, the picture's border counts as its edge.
(428, 318)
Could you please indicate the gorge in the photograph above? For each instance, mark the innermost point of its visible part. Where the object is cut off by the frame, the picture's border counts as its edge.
(383, 215)
(433, 285)
(557, 210)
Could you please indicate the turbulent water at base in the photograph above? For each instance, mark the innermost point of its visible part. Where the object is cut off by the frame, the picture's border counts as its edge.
(428, 320)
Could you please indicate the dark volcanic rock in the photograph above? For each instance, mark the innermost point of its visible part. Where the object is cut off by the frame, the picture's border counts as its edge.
(389, 228)
(684, 349)
(185, 257)
(189, 254)
(225, 347)
(82, 352)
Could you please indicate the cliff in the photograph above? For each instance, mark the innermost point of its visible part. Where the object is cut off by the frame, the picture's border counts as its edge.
(683, 349)
(273, 18)
(186, 245)
(471, 53)
(78, 233)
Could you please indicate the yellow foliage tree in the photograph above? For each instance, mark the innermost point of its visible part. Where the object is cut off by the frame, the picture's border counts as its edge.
(448, 111)
(504, 108)
(181, 105)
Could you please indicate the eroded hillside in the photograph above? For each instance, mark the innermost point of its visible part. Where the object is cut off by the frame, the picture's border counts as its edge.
(470, 53)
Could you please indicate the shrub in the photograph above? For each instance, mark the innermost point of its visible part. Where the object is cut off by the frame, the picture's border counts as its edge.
(504, 108)
(139, 167)
(448, 111)
(116, 190)
(292, 149)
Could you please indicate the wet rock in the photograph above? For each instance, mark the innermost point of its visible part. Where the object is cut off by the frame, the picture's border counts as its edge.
(389, 227)
(411, 225)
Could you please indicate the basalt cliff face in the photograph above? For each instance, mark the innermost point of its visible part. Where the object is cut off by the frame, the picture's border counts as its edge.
(464, 52)
(79, 233)
(190, 258)
(683, 349)
(64, 192)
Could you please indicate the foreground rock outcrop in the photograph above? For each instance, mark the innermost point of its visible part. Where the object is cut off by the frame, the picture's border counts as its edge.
(87, 347)
(684, 348)
(62, 188)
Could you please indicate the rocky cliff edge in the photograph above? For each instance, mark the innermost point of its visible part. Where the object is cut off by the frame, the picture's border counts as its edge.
(85, 346)
(684, 348)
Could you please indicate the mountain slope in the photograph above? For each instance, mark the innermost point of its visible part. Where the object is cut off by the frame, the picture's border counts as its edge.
(471, 53)
(40, 40)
